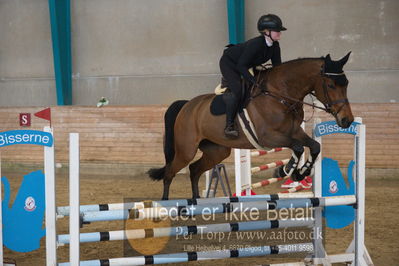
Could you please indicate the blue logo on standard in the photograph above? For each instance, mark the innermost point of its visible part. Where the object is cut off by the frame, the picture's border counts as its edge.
(331, 127)
(26, 137)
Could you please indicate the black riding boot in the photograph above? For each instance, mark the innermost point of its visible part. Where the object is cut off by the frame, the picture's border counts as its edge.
(230, 100)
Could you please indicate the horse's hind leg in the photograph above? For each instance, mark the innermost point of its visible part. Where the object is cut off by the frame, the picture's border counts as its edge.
(212, 155)
(185, 150)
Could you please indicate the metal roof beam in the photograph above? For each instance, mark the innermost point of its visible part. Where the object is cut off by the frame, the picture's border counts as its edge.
(236, 20)
(60, 20)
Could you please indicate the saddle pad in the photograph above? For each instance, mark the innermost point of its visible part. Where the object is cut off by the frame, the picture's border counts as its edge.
(219, 90)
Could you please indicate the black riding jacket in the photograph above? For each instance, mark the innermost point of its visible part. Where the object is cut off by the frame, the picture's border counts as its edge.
(252, 53)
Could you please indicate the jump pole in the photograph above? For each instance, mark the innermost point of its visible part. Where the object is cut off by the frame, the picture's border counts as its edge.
(74, 199)
(201, 256)
(319, 251)
(185, 230)
(258, 153)
(51, 229)
(65, 210)
(189, 210)
(361, 254)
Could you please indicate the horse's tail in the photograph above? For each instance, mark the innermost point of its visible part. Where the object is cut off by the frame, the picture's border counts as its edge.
(170, 119)
(169, 140)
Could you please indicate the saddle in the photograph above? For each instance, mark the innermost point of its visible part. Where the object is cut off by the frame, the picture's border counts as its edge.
(218, 107)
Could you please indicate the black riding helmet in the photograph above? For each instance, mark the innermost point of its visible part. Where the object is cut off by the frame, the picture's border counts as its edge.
(270, 22)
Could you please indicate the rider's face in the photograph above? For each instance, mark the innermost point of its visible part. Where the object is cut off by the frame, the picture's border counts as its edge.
(275, 35)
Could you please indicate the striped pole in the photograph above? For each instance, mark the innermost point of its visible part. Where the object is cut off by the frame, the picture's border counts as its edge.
(300, 187)
(186, 230)
(299, 195)
(262, 152)
(269, 166)
(64, 211)
(267, 182)
(162, 212)
(203, 255)
(293, 189)
(288, 264)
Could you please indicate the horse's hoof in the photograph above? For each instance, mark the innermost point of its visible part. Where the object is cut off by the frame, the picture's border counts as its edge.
(296, 176)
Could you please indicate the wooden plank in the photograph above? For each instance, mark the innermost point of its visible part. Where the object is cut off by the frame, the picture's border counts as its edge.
(134, 134)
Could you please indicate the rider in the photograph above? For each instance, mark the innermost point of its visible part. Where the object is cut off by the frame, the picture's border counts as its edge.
(237, 59)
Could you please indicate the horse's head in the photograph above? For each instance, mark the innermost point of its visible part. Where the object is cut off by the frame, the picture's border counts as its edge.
(330, 89)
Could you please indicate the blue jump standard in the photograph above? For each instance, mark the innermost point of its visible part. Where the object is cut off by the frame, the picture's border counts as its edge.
(203, 255)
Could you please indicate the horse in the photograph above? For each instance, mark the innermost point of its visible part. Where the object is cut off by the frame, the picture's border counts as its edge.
(276, 110)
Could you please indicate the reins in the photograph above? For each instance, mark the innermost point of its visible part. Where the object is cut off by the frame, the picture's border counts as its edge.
(284, 99)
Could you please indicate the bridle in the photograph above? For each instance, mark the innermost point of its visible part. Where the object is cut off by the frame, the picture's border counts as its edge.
(327, 106)
(330, 103)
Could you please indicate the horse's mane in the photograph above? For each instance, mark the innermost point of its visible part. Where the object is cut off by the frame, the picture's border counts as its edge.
(297, 60)
(303, 59)
(268, 71)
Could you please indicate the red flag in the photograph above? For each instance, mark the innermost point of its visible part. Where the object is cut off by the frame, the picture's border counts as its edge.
(44, 114)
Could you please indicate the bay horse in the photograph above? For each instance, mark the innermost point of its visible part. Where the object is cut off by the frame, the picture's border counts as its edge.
(276, 110)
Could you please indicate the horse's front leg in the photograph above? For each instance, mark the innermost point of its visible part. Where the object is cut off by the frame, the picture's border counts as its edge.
(314, 148)
(291, 169)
